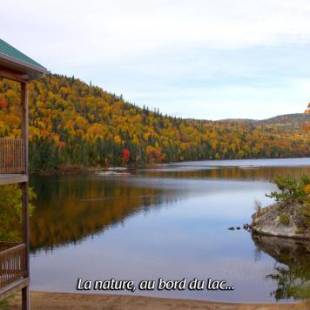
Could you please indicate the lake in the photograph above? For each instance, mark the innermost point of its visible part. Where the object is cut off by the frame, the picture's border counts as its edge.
(167, 222)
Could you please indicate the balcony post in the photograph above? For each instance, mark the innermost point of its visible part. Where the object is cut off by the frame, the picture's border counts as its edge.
(24, 188)
(24, 99)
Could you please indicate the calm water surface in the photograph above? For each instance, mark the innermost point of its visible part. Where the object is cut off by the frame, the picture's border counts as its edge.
(169, 222)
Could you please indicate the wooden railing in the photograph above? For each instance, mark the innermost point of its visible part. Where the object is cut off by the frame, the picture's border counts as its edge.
(12, 159)
(12, 263)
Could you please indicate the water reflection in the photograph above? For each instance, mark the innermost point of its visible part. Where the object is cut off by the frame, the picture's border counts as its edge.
(171, 222)
(291, 272)
(72, 208)
(229, 173)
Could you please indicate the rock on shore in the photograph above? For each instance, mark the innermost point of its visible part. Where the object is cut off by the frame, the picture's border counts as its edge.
(282, 220)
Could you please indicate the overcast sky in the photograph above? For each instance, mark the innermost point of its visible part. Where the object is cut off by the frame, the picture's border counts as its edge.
(207, 59)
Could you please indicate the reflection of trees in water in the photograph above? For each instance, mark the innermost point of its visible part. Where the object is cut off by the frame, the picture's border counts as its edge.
(70, 209)
(292, 266)
(246, 173)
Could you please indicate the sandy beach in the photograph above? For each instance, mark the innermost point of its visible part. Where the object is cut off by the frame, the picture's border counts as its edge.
(67, 301)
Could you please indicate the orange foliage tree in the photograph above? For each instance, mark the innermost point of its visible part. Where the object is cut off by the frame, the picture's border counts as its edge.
(73, 123)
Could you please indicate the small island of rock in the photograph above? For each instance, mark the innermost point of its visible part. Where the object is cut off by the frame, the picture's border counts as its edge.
(290, 215)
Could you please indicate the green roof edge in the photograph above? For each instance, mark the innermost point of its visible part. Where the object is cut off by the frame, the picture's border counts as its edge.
(15, 55)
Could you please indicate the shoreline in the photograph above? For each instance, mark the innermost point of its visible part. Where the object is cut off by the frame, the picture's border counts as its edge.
(63, 301)
(77, 169)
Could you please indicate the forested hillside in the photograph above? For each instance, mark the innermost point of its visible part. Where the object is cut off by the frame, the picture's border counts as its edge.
(73, 124)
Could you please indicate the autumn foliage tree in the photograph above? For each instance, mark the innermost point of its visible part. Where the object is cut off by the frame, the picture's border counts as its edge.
(10, 211)
(3, 103)
(125, 155)
(76, 124)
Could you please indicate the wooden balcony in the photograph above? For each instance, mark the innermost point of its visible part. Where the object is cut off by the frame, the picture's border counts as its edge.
(12, 267)
(12, 161)
(14, 259)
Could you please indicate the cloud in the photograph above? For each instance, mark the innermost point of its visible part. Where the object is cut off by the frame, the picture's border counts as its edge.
(92, 31)
(173, 52)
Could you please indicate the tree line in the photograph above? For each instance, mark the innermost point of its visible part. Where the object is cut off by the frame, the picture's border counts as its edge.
(73, 124)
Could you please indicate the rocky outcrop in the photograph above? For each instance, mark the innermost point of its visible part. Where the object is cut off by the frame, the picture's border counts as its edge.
(282, 220)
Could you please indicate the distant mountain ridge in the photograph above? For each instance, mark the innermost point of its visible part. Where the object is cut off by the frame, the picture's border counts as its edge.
(285, 118)
(297, 119)
(286, 121)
